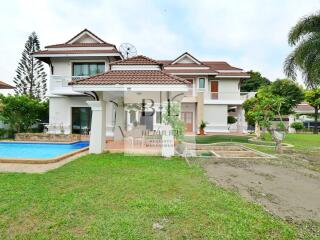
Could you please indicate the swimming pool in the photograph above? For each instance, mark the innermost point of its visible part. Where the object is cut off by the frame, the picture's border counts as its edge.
(19, 150)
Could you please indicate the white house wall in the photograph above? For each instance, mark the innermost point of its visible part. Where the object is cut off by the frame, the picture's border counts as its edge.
(216, 117)
(60, 111)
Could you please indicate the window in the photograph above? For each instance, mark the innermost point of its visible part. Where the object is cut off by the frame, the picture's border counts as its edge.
(81, 120)
(202, 83)
(87, 69)
(158, 117)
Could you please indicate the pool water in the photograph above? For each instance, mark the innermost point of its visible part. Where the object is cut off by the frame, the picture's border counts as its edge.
(38, 150)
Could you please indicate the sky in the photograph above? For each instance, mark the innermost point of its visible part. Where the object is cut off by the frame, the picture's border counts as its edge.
(251, 34)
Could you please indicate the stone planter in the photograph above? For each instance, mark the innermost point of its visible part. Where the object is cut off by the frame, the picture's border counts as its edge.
(47, 137)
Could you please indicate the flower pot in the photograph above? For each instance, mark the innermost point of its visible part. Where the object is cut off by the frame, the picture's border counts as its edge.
(201, 131)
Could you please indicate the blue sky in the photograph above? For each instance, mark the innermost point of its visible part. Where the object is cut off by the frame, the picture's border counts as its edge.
(248, 34)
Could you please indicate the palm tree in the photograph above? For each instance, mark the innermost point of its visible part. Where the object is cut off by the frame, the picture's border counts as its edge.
(305, 38)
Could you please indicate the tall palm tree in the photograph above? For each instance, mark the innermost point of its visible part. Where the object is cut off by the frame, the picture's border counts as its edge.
(305, 38)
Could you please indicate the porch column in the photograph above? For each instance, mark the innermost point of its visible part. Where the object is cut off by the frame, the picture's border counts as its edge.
(200, 106)
(98, 126)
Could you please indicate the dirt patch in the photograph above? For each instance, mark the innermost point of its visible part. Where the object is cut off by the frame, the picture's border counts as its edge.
(293, 193)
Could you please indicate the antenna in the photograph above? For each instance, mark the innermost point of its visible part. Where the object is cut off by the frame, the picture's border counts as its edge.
(127, 50)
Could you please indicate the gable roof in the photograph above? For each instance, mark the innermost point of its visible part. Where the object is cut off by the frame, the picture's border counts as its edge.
(188, 55)
(71, 43)
(4, 85)
(122, 77)
(137, 60)
(85, 31)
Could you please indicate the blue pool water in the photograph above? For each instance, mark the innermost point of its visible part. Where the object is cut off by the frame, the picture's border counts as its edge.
(37, 150)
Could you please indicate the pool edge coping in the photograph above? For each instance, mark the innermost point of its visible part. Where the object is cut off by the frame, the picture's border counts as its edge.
(43, 161)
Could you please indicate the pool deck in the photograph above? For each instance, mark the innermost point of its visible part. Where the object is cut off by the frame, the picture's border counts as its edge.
(39, 168)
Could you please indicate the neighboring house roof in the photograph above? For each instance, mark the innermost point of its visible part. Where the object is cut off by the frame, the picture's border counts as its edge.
(137, 60)
(303, 108)
(4, 85)
(131, 77)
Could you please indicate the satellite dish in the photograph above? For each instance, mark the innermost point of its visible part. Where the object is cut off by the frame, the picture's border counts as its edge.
(127, 50)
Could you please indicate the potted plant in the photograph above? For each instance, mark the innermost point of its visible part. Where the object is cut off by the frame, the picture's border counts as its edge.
(202, 126)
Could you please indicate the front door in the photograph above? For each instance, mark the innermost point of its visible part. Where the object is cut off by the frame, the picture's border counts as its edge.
(187, 117)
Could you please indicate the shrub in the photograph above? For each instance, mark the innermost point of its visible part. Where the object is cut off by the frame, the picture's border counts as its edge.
(231, 120)
(297, 126)
(281, 126)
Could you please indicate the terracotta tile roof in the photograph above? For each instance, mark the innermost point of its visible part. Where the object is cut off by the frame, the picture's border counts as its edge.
(215, 65)
(242, 74)
(187, 65)
(62, 45)
(303, 107)
(45, 52)
(195, 71)
(131, 77)
(219, 65)
(137, 60)
(4, 85)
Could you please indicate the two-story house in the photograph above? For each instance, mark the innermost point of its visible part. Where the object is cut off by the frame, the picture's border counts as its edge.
(86, 70)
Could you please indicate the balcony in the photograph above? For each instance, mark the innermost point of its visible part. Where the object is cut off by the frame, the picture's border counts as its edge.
(59, 84)
(224, 97)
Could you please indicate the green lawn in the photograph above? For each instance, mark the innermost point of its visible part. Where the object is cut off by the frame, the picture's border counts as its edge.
(300, 141)
(112, 196)
(304, 141)
(217, 138)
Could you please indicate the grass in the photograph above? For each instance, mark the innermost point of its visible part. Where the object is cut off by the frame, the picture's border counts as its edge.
(306, 141)
(217, 138)
(303, 141)
(111, 196)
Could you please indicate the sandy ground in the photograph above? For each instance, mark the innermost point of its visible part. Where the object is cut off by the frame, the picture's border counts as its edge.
(36, 168)
(291, 192)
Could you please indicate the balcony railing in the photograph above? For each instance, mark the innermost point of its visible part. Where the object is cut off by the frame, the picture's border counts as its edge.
(60, 81)
(235, 95)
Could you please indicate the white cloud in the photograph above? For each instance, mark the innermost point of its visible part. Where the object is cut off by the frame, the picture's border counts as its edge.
(251, 34)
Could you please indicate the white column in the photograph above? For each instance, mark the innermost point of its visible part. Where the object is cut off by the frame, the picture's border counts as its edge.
(118, 133)
(98, 126)
(291, 120)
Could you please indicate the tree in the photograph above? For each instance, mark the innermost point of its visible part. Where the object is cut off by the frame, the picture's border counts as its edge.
(274, 100)
(21, 112)
(313, 98)
(253, 83)
(30, 76)
(171, 116)
(293, 94)
(305, 37)
(262, 109)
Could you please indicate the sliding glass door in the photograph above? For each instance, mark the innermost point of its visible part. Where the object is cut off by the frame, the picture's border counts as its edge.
(81, 120)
